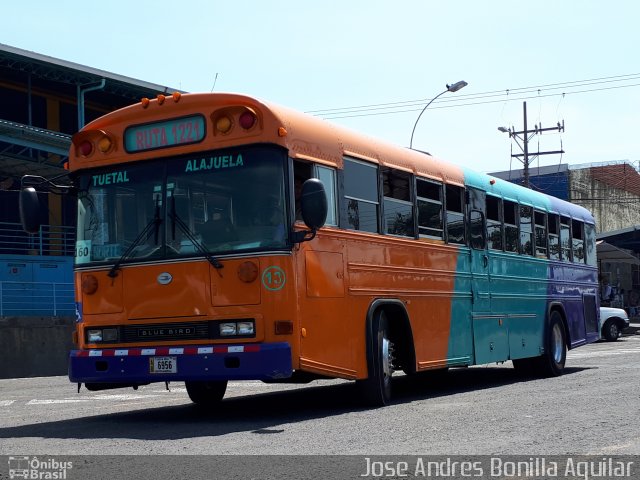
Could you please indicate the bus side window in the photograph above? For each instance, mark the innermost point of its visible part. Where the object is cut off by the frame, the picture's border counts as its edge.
(554, 237)
(590, 244)
(301, 173)
(494, 223)
(526, 230)
(578, 241)
(565, 238)
(398, 207)
(328, 178)
(477, 230)
(540, 221)
(361, 195)
(430, 219)
(510, 227)
(455, 214)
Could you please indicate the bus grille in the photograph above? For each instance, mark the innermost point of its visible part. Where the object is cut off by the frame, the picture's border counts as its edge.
(167, 331)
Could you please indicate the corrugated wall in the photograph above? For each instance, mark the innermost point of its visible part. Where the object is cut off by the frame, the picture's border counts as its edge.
(613, 208)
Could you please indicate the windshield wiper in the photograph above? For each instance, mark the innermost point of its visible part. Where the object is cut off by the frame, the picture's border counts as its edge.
(155, 224)
(175, 219)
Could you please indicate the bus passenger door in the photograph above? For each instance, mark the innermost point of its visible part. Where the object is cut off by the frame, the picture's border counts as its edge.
(481, 300)
(490, 336)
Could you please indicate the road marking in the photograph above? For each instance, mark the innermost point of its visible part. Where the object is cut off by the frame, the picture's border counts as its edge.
(608, 353)
(6, 403)
(171, 390)
(52, 401)
(613, 449)
(606, 349)
(121, 397)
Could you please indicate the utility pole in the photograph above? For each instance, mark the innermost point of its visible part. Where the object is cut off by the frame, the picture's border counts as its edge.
(522, 140)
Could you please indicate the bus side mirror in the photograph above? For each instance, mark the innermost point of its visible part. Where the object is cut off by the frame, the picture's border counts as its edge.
(313, 204)
(30, 210)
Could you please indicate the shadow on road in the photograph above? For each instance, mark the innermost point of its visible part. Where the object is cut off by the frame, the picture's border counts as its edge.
(265, 413)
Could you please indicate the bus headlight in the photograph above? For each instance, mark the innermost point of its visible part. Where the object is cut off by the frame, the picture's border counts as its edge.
(228, 329)
(244, 328)
(100, 335)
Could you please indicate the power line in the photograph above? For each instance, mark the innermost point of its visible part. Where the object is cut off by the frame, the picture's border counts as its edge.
(492, 93)
(521, 90)
(494, 96)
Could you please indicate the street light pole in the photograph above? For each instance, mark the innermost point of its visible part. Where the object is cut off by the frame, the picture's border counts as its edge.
(450, 88)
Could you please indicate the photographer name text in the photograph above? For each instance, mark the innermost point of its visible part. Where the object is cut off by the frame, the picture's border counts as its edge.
(533, 467)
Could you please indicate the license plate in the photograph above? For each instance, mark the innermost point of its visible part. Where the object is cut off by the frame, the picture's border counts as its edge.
(163, 365)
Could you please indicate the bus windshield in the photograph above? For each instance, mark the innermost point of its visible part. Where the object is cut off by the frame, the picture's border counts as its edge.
(223, 201)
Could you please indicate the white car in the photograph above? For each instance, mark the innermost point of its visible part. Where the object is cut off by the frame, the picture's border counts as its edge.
(612, 322)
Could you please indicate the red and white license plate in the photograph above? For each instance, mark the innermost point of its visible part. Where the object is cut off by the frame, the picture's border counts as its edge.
(163, 365)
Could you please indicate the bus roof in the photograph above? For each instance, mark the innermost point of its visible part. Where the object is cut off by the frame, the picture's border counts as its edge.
(310, 138)
(344, 142)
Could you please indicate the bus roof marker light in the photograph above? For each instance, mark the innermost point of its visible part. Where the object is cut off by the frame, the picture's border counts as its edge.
(85, 148)
(224, 124)
(104, 144)
(161, 99)
(247, 119)
(282, 132)
(145, 102)
(176, 96)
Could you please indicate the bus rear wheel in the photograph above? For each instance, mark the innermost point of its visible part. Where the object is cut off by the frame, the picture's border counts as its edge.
(206, 393)
(551, 363)
(376, 389)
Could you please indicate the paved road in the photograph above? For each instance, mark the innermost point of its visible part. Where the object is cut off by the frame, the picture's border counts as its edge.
(593, 409)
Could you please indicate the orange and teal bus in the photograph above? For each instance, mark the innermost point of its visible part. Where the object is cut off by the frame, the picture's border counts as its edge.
(220, 237)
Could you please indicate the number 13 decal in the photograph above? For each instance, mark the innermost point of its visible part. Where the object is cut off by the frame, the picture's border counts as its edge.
(274, 278)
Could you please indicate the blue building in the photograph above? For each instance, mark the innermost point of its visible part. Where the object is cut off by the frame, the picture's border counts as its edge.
(43, 101)
(552, 180)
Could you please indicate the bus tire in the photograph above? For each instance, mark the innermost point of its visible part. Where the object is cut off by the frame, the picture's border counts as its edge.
(551, 363)
(376, 389)
(206, 393)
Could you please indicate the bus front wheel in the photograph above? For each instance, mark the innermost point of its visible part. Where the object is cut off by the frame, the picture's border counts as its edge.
(376, 389)
(206, 393)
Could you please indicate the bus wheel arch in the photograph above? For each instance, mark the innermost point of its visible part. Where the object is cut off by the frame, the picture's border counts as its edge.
(389, 344)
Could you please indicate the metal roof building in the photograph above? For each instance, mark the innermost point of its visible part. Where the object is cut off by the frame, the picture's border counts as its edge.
(43, 101)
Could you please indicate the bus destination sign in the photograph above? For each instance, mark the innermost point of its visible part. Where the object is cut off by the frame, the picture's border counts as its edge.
(164, 134)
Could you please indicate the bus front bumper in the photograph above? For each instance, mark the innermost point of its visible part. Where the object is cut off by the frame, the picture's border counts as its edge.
(263, 361)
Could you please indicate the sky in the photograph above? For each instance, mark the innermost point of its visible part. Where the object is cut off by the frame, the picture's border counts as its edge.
(575, 62)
